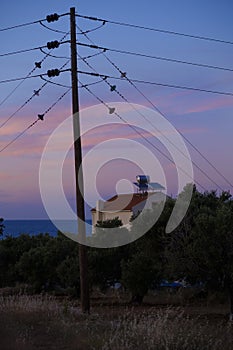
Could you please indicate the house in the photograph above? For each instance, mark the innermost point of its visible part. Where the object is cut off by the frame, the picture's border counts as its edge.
(124, 206)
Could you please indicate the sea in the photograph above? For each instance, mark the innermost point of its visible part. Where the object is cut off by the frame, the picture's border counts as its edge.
(15, 228)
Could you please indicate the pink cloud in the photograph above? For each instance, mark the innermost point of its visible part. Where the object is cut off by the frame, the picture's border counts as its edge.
(107, 132)
(218, 103)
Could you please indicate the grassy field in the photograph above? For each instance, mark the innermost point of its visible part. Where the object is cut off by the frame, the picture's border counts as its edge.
(43, 322)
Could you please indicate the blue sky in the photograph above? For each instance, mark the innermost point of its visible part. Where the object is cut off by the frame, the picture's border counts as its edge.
(205, 119)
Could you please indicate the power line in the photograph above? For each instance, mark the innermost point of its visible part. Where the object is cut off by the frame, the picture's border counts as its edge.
(21, 25)
(156, 108)
(53, 30)
(65, 86)
(51, 55)
(183, 87)
(139, 133)
(21, 107)
(28, 23)
(59, 99)
(20, 51)
(16, 87)
(19, 135)
(91, 30)
(90, 84)
(147, 120)
(53, 83)
(32, 76)
(60, 31)
(96, 54)
(66, 57)
(133, 80)
(40, 117)
(36, 93)
(166, 59)
(159, 30)
(184, 137)
(37, 65)
(161, 84)
(27, 50)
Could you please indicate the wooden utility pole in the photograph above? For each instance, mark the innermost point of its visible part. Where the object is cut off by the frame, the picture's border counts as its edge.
(84, 287)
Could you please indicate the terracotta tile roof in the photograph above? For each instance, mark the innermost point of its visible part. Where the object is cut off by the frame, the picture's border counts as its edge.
(123, 202)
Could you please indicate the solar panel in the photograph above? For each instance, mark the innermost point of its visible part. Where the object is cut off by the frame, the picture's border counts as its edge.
(143, 183)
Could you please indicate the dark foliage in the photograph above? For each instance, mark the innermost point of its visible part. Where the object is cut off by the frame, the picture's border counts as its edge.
(199, 250)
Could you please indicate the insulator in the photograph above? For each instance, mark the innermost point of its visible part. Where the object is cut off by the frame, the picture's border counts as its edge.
(53, 72)
(52, 44)
(52, 18)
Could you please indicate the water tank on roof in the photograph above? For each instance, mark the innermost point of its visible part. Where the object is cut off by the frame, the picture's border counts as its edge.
(143, 179)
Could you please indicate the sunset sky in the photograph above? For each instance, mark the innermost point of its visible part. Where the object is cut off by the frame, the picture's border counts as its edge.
(205, 119)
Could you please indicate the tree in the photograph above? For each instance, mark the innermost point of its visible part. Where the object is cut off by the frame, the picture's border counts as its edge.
(110, 223)
(109, 233)
(105, 263)
(138, 273)
(201, 248)
(1, 226)
(144, 267)
(39, 257)
(68, 274)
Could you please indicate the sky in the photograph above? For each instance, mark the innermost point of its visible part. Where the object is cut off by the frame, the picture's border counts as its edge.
(205, 119)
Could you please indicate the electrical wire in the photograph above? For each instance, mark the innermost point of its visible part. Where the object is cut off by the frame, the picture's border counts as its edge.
(92, 30)
(54, 56)
(66, 57)
(166, 59)
(36, 93)
(156, 108)
(30, 73)
(32, 76)
(182, 87)
(161, 84)
(21, 107)
(153, 126)
(59, 99)
(32, 124)
(15, 88)
(21, 25)
(182, 134)
(45, 112)
(19, 135)
(159, 30)
(27, 50)
(96, 54)
(90, 84)
(53, 83)
(28, 23)
(184, 137)
(60, 31)
(20, 51)
(139, 133)
(53, 30)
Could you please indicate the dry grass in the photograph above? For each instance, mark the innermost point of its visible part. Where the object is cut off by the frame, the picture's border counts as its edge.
(29, 323)
(167, 329)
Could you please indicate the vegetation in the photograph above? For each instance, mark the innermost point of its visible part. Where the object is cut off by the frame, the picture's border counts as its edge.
(1, 226)
(200, 251)
(42, 322)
